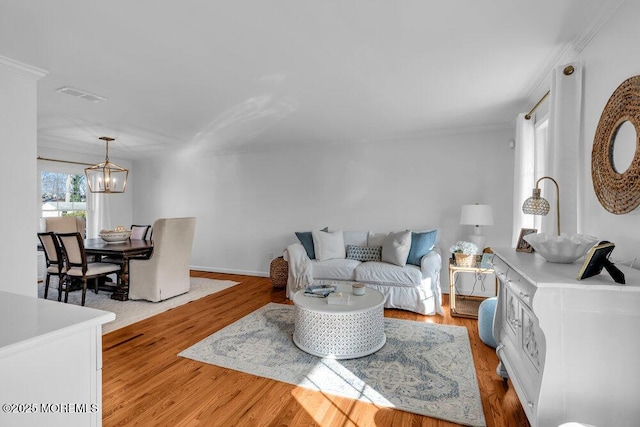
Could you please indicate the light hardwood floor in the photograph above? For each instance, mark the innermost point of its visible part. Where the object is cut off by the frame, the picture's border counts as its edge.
(146, 383)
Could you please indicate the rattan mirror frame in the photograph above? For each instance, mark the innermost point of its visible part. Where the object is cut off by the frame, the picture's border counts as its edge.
(618, 193)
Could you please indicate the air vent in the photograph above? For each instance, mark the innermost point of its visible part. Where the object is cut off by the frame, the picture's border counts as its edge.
(78, 93)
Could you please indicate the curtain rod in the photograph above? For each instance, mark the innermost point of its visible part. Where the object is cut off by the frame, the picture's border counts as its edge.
(535, 107)
(64, 161)
(568, 70)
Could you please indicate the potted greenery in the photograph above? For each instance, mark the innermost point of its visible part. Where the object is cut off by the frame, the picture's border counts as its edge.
(464, 253)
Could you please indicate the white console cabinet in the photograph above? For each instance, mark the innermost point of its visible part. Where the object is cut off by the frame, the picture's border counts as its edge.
(50, 362)
(570, 347)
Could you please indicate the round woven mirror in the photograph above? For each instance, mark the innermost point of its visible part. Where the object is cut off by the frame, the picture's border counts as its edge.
(615, 146)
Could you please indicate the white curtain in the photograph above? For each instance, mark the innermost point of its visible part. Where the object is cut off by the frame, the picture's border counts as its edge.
(523, 181)
(564, 149)
(98, 214)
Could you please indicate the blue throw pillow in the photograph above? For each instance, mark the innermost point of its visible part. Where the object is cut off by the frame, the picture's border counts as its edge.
(307, 241)
(421, 244)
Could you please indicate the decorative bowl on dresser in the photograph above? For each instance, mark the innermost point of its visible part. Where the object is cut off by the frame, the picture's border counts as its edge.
(569, 347)
(563, 249)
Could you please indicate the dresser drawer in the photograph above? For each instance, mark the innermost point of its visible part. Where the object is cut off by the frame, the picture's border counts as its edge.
(517, 284)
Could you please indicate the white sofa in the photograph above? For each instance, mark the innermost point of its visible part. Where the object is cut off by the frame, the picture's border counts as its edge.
(406, 286)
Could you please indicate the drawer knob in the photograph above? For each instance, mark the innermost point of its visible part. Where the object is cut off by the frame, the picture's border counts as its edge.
(524, 294)
(515, 323)
(530, 404)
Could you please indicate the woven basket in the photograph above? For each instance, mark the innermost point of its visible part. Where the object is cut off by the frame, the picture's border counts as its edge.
(278, 272)
(464, 260)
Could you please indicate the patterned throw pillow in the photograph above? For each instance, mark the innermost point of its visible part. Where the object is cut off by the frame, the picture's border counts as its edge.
(364, 253)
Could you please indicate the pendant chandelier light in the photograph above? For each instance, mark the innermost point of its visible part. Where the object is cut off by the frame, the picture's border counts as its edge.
(106, 177)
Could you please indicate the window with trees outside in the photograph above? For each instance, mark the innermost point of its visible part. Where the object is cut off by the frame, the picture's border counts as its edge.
(541, 160)
(63, 194)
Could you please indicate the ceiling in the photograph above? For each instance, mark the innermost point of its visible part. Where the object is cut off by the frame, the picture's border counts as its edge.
(243, 75)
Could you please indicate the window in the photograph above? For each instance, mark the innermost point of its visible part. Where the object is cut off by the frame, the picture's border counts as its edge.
(63, 194)
(540, 162)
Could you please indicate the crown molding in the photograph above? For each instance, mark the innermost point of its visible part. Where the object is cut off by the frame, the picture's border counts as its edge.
(442, 131)
(21, 68)
(383, 139)
(569, 52)
(583, 39)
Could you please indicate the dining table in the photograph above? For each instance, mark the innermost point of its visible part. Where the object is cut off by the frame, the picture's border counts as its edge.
(130, 248)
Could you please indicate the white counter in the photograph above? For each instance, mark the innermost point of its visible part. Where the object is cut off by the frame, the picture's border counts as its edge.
(50, 362)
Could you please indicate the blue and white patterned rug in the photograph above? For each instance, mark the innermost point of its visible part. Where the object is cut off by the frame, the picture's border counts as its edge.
(423, 368)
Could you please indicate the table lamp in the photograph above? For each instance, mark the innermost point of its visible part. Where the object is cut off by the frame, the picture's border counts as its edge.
(538, 205)
(477, 215)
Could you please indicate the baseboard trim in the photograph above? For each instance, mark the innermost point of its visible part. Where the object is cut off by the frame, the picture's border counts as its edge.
(230, 271)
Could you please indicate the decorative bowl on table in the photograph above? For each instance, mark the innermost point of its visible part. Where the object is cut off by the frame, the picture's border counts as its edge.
(119, 235)
(562, 249)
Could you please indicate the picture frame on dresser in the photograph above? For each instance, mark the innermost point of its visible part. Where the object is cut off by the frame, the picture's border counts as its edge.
(523, 245)
(598, 258)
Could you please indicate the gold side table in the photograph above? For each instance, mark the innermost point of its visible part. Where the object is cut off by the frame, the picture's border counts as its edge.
(467, 306)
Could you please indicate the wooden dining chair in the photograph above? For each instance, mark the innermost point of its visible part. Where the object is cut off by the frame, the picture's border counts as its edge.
(77, 266)
(63, 224)
(139, 232)
(55, 261)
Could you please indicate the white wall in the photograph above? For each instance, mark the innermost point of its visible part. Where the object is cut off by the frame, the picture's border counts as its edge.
(611, 57)
(249, 204)
(18, 125)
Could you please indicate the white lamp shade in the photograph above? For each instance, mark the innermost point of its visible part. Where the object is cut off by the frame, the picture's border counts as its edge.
(476, 215)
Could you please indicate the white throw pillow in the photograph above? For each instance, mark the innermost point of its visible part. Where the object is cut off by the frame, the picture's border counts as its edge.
(376, 239)
(355, 238)
(396, 247)
(329, 245)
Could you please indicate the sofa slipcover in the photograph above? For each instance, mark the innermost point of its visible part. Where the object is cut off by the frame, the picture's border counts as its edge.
(408, 287)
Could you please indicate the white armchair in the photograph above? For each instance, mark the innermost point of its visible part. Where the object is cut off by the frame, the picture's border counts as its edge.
(167, 272)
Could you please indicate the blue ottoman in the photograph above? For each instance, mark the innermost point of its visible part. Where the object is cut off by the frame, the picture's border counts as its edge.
(486, 313)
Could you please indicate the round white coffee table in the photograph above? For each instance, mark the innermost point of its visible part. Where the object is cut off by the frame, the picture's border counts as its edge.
(340, 331)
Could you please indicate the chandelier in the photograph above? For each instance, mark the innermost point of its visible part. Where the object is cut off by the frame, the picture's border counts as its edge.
(106, 177)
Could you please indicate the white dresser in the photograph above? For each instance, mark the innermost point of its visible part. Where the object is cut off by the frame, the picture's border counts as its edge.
(571, 348)
(50, 362)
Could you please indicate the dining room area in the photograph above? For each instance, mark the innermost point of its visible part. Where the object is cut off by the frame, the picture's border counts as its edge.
(80, 246)
(155, 258)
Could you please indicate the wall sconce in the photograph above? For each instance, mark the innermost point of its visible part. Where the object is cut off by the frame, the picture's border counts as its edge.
(538, 205)
(106, 177)
(477, 215)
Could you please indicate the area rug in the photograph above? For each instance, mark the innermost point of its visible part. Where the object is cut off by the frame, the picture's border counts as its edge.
(128, 312)
(423, 368)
